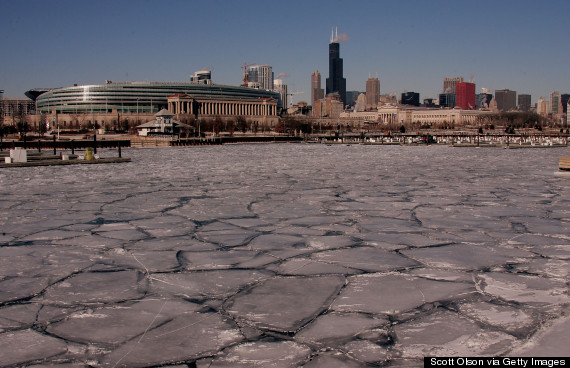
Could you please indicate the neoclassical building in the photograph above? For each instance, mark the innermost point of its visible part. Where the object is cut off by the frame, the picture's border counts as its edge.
(259, 110)
(405, 115)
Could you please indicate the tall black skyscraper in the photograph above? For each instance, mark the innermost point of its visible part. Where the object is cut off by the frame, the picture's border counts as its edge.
(335, 81)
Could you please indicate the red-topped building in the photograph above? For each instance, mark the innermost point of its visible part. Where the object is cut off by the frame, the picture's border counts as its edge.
(465, 96)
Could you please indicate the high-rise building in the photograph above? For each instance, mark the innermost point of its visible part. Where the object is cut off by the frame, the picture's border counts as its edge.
(262, 74)
(542, 107)
(372, 92)
(335, 82)
(524, 102)
(567, 117)
(317, 92)
(351, 97)
(465, 96)
(449, 84)
(555, 103)
(506, 99)
(330, 106)
(202, 77)
(447, 100)
(281, 88)
(483, 99)
(410, 98)
(565, 97)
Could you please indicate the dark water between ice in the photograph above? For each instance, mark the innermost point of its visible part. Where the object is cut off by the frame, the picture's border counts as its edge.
(285, 255)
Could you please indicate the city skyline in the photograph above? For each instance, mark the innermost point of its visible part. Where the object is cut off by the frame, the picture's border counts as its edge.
(412, 46)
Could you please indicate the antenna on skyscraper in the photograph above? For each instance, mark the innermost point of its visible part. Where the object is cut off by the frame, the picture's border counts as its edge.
(334, 35)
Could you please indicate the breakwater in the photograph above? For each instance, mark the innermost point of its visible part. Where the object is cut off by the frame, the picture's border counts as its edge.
(457, 139)
(59, 145)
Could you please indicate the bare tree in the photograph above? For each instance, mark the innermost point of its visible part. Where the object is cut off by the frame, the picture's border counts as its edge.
(20, 120)
(231, 127)
(42, 126)
(241, 124)
(217, 125)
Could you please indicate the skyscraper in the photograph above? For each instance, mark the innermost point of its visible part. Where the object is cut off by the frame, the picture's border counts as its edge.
(317, 92)
(335, 82)
(449, 84)
(565, 98)
(465, 96)
(262, 74)
(410, 98)
(555, 106)
(483, 99)
(372, 91)
(542, 107)
(506, 99)
(447, 100)
(524, 102)
(282, 89)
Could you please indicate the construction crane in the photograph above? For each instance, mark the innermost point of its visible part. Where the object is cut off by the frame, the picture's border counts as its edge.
(292, 94)
(245, 80)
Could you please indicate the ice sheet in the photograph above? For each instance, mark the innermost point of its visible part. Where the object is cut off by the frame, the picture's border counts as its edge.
(284, 255)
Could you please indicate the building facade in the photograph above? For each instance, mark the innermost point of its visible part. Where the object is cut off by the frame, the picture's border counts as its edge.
(258, 110)
(555, 103)
(410, 115)
(449, 84)
(447, 100)
(317, 92)
(336, 83)
(506, 99)
(331, 106)
(262, 74)
(565, 97)
(282, 89)
(17, 106)
(163, 124)
(202, 77)
(483, 100)
(465, 96)
(542, 107)
(410, 98)
(524, 102)
(372, 92)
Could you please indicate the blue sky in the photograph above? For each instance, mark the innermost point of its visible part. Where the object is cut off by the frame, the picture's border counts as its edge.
(412, 45)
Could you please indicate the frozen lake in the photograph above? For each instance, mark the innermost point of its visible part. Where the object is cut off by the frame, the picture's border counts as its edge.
(285, 255)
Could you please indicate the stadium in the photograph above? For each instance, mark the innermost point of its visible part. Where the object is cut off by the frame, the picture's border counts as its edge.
(138, 97)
